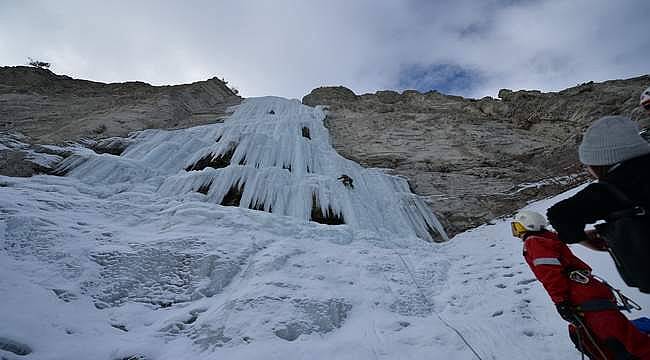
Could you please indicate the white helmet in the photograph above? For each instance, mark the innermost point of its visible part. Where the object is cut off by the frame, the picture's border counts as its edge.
(528, 221)
(644, 100)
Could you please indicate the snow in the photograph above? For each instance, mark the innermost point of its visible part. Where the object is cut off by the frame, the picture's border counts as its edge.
(500, 304)
(124, 257)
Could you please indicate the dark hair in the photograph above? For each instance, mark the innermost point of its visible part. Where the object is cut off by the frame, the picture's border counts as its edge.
(600, 170)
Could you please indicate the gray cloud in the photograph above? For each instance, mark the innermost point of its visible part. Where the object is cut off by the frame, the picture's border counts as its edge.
(286, 48)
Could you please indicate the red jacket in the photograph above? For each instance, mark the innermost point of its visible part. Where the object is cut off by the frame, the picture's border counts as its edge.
(551, 261)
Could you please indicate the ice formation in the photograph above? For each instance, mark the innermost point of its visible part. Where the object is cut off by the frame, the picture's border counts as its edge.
(274, 155)
(132, 257)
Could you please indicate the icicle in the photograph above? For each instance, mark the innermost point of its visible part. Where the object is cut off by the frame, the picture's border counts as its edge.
(273, 155)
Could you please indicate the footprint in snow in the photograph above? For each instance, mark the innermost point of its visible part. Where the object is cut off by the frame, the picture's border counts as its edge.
(120, 327)
(526, 282)
(64, 295)
(14, 347)
(194, 315)
(501, 286)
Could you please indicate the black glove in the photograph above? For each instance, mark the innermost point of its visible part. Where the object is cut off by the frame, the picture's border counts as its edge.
(567, 311)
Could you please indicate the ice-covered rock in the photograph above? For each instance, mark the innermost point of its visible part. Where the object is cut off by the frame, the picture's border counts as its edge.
(20, 158)
(274, 155)
(468, 156)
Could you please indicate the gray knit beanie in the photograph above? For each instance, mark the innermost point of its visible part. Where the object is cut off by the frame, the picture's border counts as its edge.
(610, 140)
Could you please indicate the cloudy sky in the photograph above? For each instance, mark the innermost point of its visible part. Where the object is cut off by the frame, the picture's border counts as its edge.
(287, 48)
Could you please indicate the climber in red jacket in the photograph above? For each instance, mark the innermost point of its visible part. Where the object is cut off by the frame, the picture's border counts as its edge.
(581, 299)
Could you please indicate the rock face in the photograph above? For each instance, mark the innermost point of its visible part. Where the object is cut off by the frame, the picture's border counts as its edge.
(475, 160)
(50, 108)
(21, 159)
(40, 107)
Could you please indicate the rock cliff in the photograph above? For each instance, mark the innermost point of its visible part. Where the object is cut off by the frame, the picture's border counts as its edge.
(39, 107)
(50, 108)
(475, 160)
(472, 159)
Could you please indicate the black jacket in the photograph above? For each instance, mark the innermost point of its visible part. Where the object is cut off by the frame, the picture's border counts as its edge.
(596, 201)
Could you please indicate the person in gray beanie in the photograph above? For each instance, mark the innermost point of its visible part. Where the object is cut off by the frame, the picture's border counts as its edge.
(619, 159)
(611, 140)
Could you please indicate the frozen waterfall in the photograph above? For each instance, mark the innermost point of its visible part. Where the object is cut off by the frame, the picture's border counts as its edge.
(271, 154)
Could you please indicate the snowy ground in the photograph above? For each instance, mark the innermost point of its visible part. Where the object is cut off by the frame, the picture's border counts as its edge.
(494, 297)
(113, 264)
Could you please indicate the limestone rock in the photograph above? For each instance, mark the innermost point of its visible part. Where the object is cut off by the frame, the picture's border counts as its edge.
(388, 96)
(52, 108)
(475, 160)
(114, 145)
(329, 95)
(19, 158)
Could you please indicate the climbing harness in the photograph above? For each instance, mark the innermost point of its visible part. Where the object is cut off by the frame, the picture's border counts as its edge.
(626, 304)
(620, 302)
(597, 305)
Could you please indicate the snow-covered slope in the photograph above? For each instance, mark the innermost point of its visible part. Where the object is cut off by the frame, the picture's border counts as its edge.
(494, 298)
(133, 256)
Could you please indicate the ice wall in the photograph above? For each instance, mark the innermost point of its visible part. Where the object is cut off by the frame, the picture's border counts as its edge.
(273, 155)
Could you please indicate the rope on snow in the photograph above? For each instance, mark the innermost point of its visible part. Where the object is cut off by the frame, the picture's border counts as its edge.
(426, 299)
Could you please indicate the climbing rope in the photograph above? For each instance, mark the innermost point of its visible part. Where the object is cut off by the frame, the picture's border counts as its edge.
(590, 337)
(426, 299)
(580, 348)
